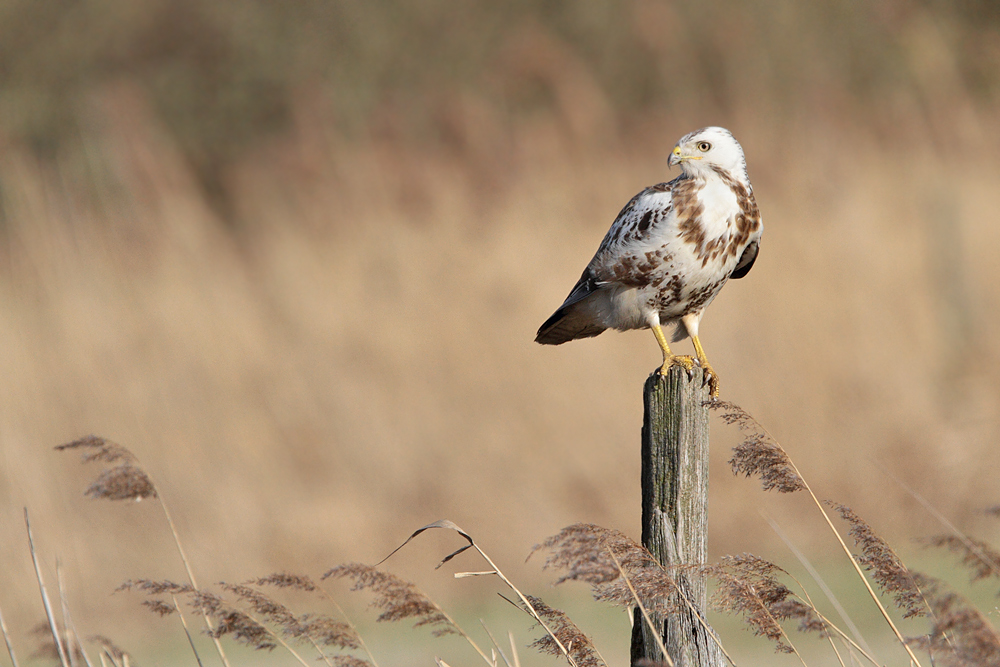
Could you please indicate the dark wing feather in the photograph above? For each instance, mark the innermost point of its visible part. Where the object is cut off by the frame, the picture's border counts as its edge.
(747, 259)
(585, 286)
(568, 323)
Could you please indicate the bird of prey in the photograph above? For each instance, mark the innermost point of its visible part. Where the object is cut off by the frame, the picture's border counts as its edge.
(669, 253)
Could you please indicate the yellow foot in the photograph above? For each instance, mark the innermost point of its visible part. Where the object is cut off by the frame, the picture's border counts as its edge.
(688, 364)
(685, 362)
(711, 378)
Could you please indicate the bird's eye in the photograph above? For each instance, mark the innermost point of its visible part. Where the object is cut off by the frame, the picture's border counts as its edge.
(704, 146)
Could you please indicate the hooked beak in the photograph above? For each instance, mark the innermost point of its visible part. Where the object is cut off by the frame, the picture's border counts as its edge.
(675, 157)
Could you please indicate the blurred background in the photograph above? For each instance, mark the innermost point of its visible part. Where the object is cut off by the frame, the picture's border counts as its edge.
(293, 255)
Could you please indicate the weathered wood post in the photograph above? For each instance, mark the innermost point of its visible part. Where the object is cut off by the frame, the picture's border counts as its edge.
(675, 511)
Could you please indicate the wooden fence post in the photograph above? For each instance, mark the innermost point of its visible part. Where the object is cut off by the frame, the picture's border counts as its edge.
(675, 511)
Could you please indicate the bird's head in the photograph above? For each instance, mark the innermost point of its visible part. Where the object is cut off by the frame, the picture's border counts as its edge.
(698, 152)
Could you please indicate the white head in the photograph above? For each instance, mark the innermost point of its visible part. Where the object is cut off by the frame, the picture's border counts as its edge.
(698, 152)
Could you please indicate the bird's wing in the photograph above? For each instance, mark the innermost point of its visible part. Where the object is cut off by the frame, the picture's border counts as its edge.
(585, 286)
(641, 213)
(747, 259)
(616, 261)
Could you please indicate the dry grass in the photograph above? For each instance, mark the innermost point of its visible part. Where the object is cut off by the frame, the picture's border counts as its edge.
(746, 585)
(361, 353)
(355, 357)
(360, 358)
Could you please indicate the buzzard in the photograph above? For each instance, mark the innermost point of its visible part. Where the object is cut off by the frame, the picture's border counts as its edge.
(669, 252)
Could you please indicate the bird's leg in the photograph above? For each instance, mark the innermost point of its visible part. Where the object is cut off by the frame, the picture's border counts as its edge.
(709, 372)
(669, 358)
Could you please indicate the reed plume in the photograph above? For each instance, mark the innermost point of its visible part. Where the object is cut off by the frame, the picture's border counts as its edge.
(124, 481)
(759, 454)
(525, 600)
(885, 566)
(315, 628)
(960, 635)
(562, 628)
(397, 598)
(588, 553)
(748, 586)
(982, 560)
(128, 481)
(329, 631)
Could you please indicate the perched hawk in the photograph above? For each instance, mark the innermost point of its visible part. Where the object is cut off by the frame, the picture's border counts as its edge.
(669, 252)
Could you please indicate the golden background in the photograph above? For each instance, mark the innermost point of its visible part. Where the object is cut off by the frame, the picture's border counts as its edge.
(293, 255)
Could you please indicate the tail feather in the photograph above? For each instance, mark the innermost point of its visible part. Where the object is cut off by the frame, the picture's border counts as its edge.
(567, 324)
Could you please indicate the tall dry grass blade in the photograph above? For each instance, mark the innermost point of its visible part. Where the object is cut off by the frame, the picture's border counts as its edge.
(72, 646)
(812, 620)
(864, 580)
(827, 591)
(109, 648)
(657, 637)
(80, 647)
(77, 647)
(825, 625)
(513, 649)
(496, 645)
(450, 525)
(441, 523)
(57, 640)
(6, 641)
(187, 631)
(761, 454)
(190, 574)
(128, 481)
